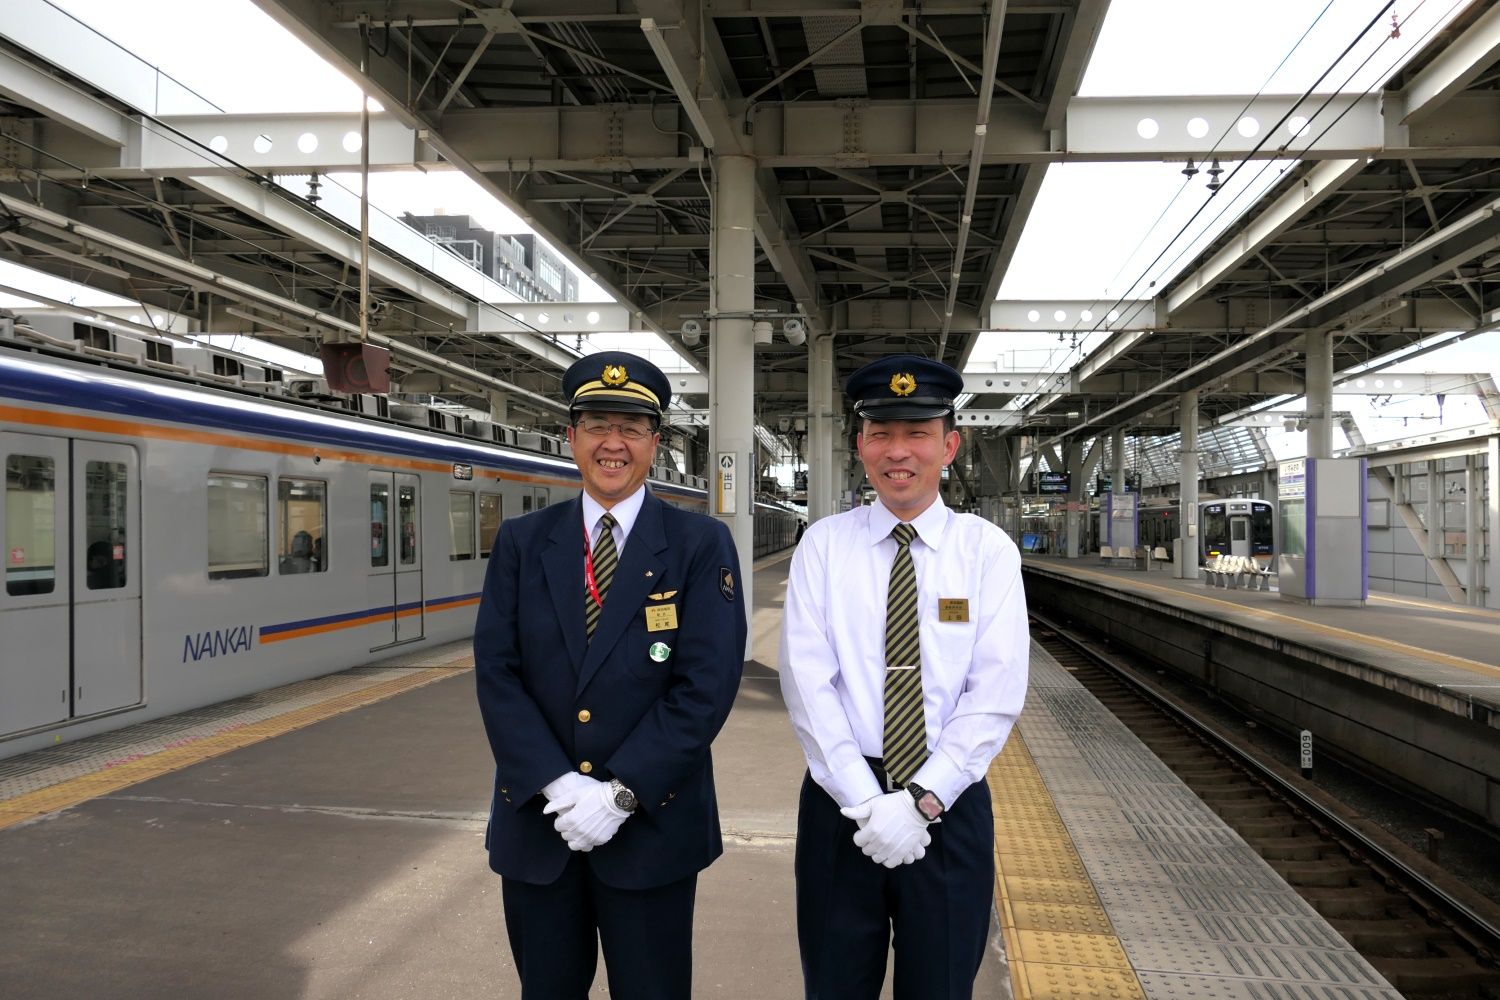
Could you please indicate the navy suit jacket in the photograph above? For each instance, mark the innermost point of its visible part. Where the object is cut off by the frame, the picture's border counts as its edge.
(649, 722)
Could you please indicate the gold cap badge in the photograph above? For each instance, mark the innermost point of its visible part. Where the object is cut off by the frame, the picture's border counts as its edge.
(615, 375)
(903, 383)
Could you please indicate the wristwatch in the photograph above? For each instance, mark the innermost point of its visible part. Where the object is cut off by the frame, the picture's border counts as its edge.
(624, 797)
(928, 804)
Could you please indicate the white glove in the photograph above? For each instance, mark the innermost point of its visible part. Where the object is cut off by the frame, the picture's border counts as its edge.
(891, 830)
(565, 790)
(592, 818)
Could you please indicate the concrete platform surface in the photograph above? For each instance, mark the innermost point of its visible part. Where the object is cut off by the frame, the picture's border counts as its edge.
(346, 860)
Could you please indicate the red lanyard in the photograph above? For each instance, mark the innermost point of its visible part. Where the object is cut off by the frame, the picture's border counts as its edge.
(588, 570)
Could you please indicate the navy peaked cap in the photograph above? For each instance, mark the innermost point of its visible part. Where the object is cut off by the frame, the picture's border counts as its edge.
(616, 382)
(904, 387)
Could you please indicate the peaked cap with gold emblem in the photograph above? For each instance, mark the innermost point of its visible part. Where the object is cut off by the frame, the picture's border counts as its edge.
(616, 382)
(904, 387)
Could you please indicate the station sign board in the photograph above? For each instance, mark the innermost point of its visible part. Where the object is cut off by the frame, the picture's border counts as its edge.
(1102, 484)
(1051, 483)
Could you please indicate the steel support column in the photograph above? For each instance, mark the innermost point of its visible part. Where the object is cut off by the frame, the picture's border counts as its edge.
(1185, 561)
(1473, 533)
(1074, 519)
(1492, 522)
(1319, 349)
(731, 357)
(1117, 452)
(822, 427)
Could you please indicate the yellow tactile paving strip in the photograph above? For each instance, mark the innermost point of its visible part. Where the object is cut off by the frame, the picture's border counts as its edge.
(133, 771)
(1058, 939)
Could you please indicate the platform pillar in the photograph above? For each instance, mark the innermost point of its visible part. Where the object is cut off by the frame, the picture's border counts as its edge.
(1473, 533)
(1185, 560)
(822, 427)
(1434, 510)
(1319, 375)
(731, 362)
(1074, 519)
(1119, 516)
(1492, 494)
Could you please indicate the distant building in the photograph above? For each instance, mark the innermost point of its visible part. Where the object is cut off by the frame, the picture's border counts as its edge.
(520, 262)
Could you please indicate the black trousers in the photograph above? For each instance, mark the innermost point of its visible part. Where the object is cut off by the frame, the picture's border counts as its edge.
(556, 931)
(938, 908)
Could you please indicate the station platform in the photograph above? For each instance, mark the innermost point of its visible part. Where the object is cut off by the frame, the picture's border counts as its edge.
(325, 840)
(1451, 646)
(1409, 685)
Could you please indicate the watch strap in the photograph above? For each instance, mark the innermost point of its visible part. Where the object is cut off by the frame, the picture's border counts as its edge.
(624, 798)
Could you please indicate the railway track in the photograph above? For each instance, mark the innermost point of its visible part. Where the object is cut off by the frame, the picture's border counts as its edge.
(1425, 939)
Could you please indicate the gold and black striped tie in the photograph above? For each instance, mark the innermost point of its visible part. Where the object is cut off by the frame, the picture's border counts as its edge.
(905, 743)
(606, 558)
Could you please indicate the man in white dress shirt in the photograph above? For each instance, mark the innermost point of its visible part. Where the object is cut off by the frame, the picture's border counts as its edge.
(903, 663)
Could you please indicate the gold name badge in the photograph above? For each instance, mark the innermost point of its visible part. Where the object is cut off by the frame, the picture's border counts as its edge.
(660, 617)
(953, 609)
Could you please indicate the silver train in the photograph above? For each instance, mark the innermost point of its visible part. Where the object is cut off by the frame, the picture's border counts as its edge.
(170, 544)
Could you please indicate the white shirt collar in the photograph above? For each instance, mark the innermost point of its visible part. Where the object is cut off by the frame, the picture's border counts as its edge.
(625, 512)
(929, 523)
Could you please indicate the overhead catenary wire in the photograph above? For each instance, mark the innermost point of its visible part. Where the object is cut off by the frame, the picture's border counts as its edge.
(1272, 131)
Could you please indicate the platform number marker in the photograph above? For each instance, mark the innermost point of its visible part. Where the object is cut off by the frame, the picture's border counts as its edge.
(1306, 743)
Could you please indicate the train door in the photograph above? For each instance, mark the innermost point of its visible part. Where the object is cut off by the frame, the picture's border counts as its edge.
(70, 613)
(106, 578)
(1239, 529)
(395, 580)
(35, 642)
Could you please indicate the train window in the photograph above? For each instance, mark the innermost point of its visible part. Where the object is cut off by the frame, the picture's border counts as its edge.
(238, 531)
(541, 498)
(380, 522)
(104, 520)
(30, 528)
(460, 525)
(490, 514)
(526, 502)
(303, 524)
(407, 511)
(1262, 529)
(1237, 528)
(157, 351)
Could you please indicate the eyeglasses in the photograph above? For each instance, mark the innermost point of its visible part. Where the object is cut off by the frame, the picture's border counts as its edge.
(597, 427)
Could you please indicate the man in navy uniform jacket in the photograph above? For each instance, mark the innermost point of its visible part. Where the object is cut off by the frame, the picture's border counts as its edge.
(607, 652)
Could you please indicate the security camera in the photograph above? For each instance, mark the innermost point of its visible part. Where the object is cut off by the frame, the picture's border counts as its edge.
(796, 332)
(692, 332)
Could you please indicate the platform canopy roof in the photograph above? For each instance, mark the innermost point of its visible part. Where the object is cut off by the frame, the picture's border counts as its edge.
(900, 148)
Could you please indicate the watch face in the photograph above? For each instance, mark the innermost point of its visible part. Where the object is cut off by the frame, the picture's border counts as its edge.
(625, 799)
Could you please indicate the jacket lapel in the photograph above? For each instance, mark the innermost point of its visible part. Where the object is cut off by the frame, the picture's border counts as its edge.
(627, 593)
(562, 565)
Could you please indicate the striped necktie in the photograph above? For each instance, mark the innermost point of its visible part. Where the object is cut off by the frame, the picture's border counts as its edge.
(905, 743)
(606, 557)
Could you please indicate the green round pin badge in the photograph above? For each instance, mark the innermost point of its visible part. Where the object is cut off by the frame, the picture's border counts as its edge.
(660, 651)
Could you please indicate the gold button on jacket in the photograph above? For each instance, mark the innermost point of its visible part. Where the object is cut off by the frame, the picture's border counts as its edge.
(584, 715)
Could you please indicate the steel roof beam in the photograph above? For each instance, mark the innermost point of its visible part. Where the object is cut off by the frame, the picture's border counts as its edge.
(23, 83)
(1452, 70)
(1282, 214)
(802, 134)
(1475, 234)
